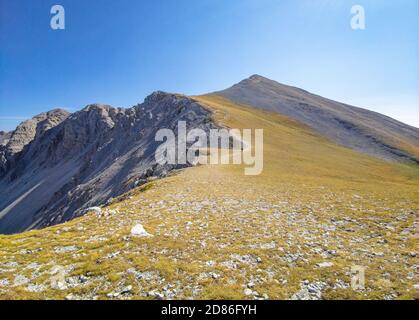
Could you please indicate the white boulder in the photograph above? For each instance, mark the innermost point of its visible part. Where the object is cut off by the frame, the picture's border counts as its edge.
(325, 264)
(139, 231)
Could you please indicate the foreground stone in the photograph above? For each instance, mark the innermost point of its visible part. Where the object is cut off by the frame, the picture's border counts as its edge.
(139, 231)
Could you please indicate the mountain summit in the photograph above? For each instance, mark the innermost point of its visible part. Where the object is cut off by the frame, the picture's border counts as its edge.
(356, 128)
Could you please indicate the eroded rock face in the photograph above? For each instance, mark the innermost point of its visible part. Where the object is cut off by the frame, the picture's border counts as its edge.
(4, 140)
(38, 125)
(92, 156)
(12, 143)
(4, 137)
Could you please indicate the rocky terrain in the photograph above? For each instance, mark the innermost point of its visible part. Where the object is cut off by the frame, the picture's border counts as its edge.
(362, 130)
(12, 143)
(266, 244)
(56, 165)
(4, 138)
(209, 232)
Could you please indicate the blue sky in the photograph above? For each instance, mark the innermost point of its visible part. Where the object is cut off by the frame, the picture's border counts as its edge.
(118, 52)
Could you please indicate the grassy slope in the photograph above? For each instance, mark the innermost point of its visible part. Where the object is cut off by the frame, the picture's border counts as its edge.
(215, 230)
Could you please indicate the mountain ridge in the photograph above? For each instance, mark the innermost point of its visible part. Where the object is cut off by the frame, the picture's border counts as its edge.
(56, 165)
(293, 232)
(357, 128)
(92, 156)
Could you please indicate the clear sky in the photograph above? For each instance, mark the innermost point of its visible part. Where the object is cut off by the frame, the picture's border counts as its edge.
(118, 52)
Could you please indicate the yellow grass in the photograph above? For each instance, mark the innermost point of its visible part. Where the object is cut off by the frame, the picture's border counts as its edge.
(215, 229)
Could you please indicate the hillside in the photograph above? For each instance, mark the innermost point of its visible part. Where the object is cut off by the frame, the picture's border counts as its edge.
(293, 232)
(359, 129)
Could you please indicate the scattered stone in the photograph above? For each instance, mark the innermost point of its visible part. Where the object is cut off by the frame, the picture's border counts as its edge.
(113, 255)
(11, 264)
(96, 210)
(309, 291)
(156, 295)
(33, 266)
(4, 283)
(57, 278)
(126, 290)
(65, 249)
(325, 264)
(20, 280)
(215, 275)
(35, 288)
(123, 291)
(247, 292)
(210, 263)
(340, 284)
(139, 231)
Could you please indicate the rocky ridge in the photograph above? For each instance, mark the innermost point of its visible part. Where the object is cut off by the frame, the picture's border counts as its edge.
(57, 165)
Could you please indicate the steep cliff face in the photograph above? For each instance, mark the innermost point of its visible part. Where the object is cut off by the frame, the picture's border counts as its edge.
(12, 143)
(4, 137)
(90, 157)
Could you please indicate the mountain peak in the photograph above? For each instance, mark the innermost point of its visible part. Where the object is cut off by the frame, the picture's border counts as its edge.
(256, 78)
(348, 126)
(58, 111)
(29, 129)
(161, 95)
(96, 107)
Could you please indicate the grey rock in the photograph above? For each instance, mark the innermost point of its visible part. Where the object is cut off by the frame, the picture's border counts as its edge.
(20, 280)
(65, 164)
(139, 231)
(360, 129)
(325, 264)
(310, 291)
(156, 295)
(4, 283)
(4, 137)
(247, 292)
(36, 288)
(13, 143)
(65, 249)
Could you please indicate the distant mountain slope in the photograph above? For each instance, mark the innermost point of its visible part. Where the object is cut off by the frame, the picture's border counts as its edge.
(362, 130)
(93, 155)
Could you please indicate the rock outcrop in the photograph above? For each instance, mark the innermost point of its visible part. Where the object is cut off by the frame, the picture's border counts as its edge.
(96, 154)
(12, 143)
(4, 138)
